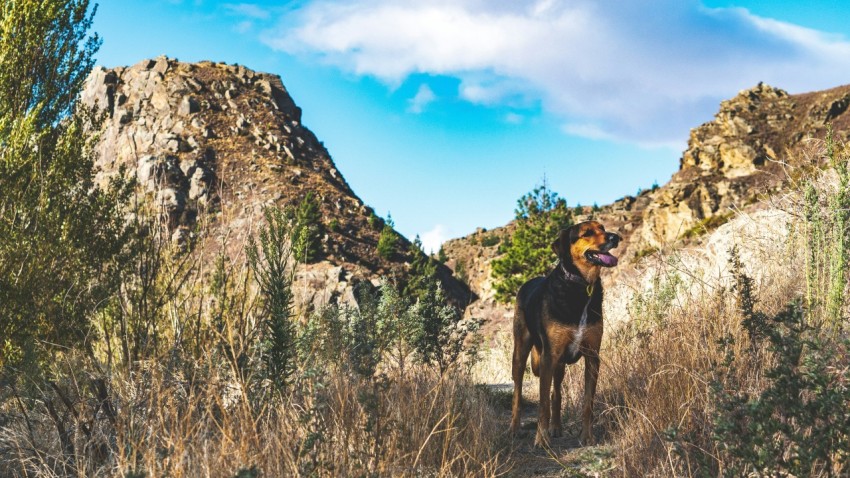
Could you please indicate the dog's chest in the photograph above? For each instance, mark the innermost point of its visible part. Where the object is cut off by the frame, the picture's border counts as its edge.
(569, 327)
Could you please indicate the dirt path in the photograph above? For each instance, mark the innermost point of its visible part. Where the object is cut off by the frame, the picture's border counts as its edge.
(564, 458)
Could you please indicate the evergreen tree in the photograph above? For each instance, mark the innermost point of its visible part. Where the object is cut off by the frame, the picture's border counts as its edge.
(269, 261)
(422, 273)
(388, 239)
(540, 215)
(60, 236)
(306, 220)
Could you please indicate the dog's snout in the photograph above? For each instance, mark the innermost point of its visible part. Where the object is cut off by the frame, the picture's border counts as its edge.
(613, 238)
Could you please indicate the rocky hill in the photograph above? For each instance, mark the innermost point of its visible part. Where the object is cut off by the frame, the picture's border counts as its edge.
(212, 144)
(731, 163)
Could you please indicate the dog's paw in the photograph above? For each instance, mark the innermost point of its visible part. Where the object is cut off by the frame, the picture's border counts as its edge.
(542, 439)
(586, 438)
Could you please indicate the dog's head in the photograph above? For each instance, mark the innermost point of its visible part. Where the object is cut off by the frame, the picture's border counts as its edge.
(586, 245)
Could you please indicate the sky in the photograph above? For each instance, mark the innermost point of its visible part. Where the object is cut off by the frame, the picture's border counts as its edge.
(442, 113)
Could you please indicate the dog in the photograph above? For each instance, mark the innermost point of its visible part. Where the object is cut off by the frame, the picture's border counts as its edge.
(558, 318)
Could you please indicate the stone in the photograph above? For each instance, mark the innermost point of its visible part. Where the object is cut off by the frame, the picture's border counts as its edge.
(171, 199)
(199, 183)
(159, 100)
(123, 116)
(188, 105)
(161, 65)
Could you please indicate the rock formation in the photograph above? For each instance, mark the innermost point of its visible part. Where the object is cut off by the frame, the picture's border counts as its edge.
(732, 162)
(211, 145)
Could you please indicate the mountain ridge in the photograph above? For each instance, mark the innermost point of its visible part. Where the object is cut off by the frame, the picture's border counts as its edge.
(211, 145)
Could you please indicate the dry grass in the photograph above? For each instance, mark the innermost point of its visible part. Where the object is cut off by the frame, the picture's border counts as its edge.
(194, 403)
(166, 421)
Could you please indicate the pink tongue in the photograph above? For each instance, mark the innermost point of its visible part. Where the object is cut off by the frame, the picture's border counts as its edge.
(607, 259)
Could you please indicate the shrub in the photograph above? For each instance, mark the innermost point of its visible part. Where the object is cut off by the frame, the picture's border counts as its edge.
(490, 240)
(797, 424)
(706, 225)
(440, 337)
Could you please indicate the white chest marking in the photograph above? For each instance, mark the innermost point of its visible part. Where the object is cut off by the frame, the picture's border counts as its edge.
(573, 348)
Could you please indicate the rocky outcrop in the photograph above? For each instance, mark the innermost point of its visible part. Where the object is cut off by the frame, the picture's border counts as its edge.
(740, 156)
(211, 145)
(731, 164)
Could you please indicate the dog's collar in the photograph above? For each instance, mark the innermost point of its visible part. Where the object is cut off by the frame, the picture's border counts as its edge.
(576, 278)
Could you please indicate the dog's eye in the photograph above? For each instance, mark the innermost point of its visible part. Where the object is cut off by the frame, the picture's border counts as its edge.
(588, 233)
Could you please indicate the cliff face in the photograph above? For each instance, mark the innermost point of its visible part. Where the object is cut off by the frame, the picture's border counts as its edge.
(731, 163)
(738, 157)
(212, 144)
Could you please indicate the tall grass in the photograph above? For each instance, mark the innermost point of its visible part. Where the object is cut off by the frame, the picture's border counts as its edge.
(714, 382)
(202, 368)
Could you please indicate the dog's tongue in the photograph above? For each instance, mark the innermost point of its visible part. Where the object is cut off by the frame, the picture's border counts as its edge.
(607, 259)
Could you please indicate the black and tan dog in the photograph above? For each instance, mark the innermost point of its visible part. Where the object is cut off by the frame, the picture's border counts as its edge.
(558, 319)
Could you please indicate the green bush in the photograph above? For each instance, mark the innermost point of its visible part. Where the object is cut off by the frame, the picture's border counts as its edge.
(798, 424)
(490, 240)
(440, 337)
(423, 271)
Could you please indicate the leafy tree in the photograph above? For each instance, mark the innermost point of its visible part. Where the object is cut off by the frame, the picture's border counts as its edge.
(61, 237)
(307, 228)
(388, 239)
(540, 215)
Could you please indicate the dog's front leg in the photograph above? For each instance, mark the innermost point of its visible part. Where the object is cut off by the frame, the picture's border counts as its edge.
(555, 427)
(591, 375)
(542, 438)
(522, 345)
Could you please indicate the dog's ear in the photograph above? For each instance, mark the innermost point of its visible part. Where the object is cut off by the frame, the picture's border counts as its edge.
(561, 244)
(573, 231)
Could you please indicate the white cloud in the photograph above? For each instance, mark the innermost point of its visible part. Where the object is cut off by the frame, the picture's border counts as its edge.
(433, 239)
(641, 71)
(587, 130)
(250, 10)
(514, 118)
(423, 97)
(244, 26)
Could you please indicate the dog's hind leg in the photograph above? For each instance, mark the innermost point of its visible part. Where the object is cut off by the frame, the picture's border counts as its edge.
(522, 345)
(535, 362)
(546, 366)
(555, 427)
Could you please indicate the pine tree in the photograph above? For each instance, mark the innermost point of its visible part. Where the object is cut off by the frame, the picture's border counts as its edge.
(422, 273)
(306, 220)
(540, 215)
(269, 260)
(388, 239)
(61, 237)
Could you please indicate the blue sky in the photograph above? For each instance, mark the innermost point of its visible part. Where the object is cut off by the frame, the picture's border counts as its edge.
(444, 112)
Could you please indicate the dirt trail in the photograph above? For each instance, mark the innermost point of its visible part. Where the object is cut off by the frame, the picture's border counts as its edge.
(565, 457)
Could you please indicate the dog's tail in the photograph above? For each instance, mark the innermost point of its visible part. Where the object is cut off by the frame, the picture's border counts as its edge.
(535, 361)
